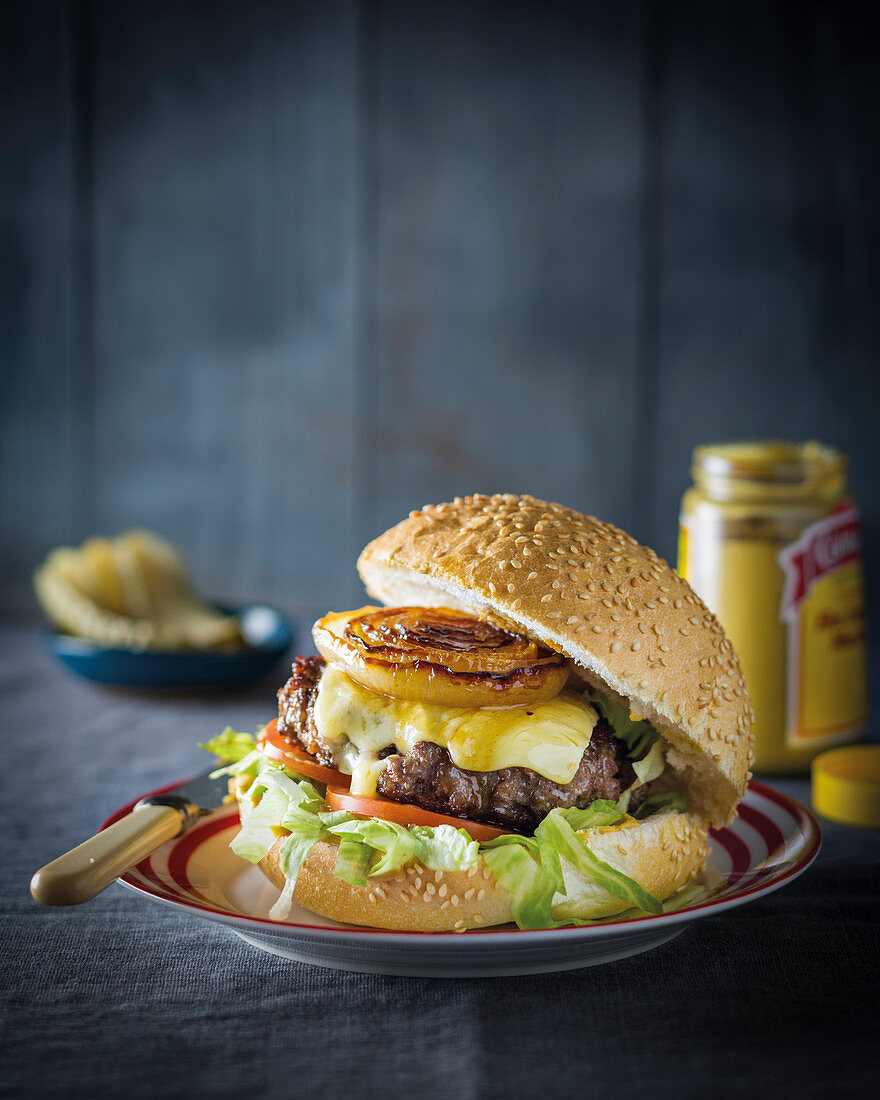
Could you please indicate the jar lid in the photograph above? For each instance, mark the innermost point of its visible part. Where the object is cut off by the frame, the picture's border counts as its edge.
(768, 469)
(846, 785)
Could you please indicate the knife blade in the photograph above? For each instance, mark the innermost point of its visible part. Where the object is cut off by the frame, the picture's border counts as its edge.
(86, 870)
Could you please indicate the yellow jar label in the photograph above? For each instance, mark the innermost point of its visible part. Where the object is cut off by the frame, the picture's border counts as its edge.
(823, 610)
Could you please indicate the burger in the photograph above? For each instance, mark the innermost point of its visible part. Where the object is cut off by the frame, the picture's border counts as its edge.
(537, 721)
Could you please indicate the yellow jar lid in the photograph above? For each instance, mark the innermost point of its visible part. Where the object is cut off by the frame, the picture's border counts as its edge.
(846, 785)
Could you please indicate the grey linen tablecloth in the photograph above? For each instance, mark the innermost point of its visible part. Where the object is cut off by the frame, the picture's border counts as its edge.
(125, 998)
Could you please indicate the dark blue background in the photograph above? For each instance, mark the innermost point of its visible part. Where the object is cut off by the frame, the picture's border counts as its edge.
(272, 274)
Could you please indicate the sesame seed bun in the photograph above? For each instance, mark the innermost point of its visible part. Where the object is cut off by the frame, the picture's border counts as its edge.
(663, 853)
(629, 623)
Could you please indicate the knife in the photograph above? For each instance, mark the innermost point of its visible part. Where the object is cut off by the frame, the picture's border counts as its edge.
(89, 868)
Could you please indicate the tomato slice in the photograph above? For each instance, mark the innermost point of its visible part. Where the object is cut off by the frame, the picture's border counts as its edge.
(340, 798)
(277, 748)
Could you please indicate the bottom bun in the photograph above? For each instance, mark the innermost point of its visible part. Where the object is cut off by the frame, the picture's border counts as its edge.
(662, 853)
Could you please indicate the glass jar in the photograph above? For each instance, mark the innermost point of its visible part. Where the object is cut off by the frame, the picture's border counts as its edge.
(770, 539)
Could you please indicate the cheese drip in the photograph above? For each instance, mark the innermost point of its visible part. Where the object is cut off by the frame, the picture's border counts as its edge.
(549, 738)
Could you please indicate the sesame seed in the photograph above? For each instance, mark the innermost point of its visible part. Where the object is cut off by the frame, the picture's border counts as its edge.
(480, 895)
(431, 888)
(478, 918)
(372, 898)
(443, 891)
(468, 894)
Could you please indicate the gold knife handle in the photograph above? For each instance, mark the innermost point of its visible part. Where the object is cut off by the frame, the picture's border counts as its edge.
(89, 868)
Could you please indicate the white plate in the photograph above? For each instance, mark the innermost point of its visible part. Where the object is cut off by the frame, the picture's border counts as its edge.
(773, 840)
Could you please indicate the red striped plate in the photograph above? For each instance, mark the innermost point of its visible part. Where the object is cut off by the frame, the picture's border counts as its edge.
(773, 840)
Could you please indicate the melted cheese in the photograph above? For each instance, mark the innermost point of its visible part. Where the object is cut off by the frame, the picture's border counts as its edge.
(549, 738)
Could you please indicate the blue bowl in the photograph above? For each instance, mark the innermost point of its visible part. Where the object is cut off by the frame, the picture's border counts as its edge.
(267, 634)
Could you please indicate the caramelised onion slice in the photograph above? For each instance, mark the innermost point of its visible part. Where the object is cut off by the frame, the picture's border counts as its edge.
(439, 655)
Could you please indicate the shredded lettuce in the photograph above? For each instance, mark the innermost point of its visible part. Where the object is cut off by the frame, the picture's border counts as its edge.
(648, 768)
(353, 860)
(556, 831)
(279, 802)
(651, 765)
(396, 843)
(305, 798)
(335, 817)
(661, 800)
(230, 746)
(444, 848)
(689, 895)
(642, 741)
(293, 853)
(531, 868)
(263, 826)
(552, 865)
(600, 812)
(531, 887)
(638, 734)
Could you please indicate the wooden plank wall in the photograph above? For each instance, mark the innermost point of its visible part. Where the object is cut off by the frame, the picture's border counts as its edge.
(275, 273)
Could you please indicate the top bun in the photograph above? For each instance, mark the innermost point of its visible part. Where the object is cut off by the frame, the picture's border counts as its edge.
(589, 590)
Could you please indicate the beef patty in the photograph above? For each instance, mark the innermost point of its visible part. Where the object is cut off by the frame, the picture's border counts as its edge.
(515, 798)
(296, 709)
